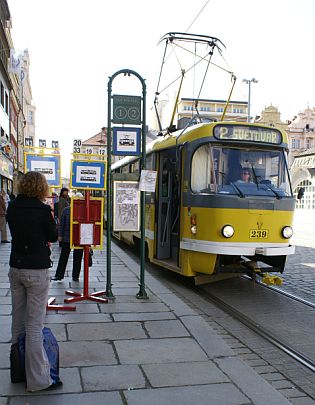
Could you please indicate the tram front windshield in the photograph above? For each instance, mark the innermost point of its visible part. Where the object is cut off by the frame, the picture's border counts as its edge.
(240, 171)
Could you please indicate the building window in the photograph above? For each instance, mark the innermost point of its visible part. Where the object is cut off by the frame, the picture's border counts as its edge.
(308, 200)
(238, 110)
(30, 117)
(6, 107)
(308, 143)
(220, 109)
(295, 143)
(2, 95)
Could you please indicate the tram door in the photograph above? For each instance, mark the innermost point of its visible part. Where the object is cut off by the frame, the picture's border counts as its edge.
(167, 187)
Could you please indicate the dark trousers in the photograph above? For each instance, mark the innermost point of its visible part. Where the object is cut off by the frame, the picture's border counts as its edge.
(63, 260)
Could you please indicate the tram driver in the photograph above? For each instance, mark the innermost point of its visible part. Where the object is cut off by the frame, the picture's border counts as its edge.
(244, 176)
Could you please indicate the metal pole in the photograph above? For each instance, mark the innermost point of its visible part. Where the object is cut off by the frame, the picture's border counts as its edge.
(249, 82)
(248, 115)
(109, 292)
(142, 293)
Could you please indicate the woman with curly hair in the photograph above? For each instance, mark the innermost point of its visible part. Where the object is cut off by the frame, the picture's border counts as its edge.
(32, 227)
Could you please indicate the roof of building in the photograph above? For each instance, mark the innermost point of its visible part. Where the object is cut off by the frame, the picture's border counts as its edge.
(213, 101)
(98, 139)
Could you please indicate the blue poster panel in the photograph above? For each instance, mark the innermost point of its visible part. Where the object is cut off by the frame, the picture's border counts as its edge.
(48, 165)
(126, 141)
(89, 175)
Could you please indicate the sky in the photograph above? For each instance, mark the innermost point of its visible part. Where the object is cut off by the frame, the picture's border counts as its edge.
(75, 46)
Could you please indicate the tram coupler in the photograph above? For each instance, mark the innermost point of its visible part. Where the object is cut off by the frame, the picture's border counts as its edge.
(270, 279)
(252, 266)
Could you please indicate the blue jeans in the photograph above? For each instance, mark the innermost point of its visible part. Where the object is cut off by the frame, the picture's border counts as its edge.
(29, 293)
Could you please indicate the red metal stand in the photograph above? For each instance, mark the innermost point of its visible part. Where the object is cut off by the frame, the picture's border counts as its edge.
(76, 296)
(85, 296)
(56, 307)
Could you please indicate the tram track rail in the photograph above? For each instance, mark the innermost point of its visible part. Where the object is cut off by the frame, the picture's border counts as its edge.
(282, 292)
(261, 331)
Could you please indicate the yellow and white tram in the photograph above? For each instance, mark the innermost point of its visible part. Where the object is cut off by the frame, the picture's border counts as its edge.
(207, 221)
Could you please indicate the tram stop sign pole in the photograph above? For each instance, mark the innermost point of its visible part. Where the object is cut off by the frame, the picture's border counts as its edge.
(120, 116)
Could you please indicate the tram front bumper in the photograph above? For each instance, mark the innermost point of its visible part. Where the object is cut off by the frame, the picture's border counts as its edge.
(237, 249)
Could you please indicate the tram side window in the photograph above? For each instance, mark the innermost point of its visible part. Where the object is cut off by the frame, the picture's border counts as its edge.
(135, 167)
(202, 178)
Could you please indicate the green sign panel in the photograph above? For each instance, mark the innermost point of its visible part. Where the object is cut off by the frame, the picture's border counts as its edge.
(127, 109)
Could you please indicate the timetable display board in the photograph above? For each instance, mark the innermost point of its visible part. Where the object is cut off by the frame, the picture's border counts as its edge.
(48, 165)
(88, 174)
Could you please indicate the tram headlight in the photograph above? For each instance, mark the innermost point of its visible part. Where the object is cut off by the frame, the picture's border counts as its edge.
(227, 231)
(287, 232)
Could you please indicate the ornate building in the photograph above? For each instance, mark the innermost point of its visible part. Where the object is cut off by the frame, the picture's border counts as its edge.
(270, 116)
(302, 133)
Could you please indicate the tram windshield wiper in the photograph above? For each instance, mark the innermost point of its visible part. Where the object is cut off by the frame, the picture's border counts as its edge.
(237, 189)
(272, 190)
(241, 194)
(255, 177)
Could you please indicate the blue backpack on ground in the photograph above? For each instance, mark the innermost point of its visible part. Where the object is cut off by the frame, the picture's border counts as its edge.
(52, 349)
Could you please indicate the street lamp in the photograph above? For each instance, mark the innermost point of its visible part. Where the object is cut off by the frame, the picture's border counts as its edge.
(249, 81)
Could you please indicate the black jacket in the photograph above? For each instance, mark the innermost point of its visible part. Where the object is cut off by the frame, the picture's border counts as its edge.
(32, 227)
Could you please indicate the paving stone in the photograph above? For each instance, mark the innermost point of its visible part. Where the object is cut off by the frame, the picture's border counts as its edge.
(133, 298)
(303, 401)
(111, 378)
(5, 333)
(143, 306)
(291, 392)
(74, 317)
(159, 351)
(4, 292)
(86, 353)
(69, 376)
(143, 316)
(124, 291)
(100, 331)
(282, 384)
(172, 328)
(176, 304)
(95, 398)
(213, 394)
(251, 384)
(264, 369)
(272, 376)
(212, 344)
(5, 309)
(59, 331)
(5, 355)
(176, 374)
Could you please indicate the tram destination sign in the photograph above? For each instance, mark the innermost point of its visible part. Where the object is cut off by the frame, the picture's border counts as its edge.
(247, 133)
(126, 109)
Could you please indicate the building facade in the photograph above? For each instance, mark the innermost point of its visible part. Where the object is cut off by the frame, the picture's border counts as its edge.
(211, 110)
(270, 116)
(6, 164)
(17, 113)
(301, 133)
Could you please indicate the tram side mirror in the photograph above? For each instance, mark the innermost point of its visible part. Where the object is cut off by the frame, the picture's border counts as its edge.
(301, 193)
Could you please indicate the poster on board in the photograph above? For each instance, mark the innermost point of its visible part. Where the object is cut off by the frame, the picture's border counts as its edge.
(126, 206)
(148, 181)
